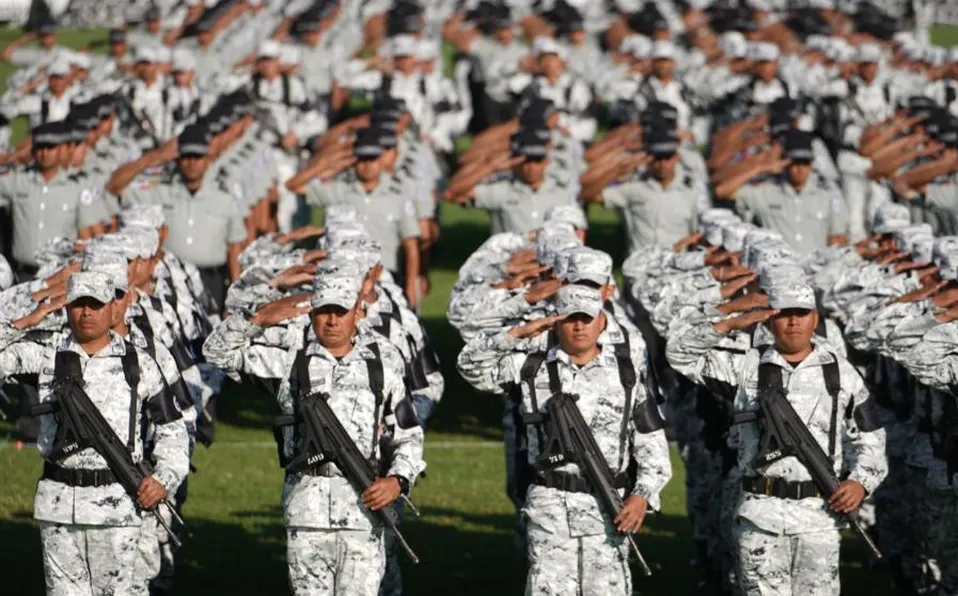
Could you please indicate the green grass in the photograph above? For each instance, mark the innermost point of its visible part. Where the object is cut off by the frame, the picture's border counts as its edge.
(464, 537)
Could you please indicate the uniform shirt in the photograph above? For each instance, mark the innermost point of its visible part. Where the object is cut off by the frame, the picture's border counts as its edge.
(42, 211)
(672, 93)
(148, 106)
(105, 505)
(517, 205)
(492, 364)
(201, 226)
(805, 220)
(735, 375)
(653, 214)
(389, 217)
(320, 502)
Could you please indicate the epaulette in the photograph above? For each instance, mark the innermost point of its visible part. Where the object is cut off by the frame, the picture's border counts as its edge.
(77, 176)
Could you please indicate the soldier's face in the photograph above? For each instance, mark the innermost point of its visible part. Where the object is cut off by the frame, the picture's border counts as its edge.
(118, 49)
(551, 65)
(577, 37)
(405, 64)
(664, 167)
(58, 84)
(504, 35)
(268, 67)
(766, 70)
(798, 172)
(368, 169)
(334, 325)
(793, 329)
(47, 157)
(48, 40)
(867, 71)
(533, 170)
(90, 319)
(192, 167)
(663, 68)
(311, 38)
(579, 333)
(183, 78)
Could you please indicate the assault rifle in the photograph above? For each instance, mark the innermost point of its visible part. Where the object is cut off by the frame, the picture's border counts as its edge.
(786, 435)
(571, 441)
(80, 425)
(324, 441)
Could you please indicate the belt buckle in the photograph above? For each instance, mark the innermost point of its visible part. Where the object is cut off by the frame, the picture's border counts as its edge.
(768, 486)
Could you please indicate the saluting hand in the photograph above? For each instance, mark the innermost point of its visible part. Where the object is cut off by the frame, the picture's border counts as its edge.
(745, 321)
(533, 328)
(276, 312)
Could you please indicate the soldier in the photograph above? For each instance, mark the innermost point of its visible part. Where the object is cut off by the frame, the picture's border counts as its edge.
(787, 531)
(206, 226)
(806, 210)
(387, 214)
(47, 202)
(48, 105)
(659, 205)
(336, 548)
(89, 525)
(575, 547)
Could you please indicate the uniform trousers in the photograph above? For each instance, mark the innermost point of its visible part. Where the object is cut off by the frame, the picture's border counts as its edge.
(787, 565)
(89, 560)
(334, 562)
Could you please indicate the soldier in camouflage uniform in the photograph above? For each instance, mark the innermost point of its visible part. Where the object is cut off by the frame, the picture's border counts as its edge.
(336, 548)
(575, 547)
(89, 525)
(787, 533)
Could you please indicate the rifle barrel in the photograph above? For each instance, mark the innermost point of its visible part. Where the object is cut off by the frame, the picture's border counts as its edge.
(864, 536)
(638, 555)
(405, 545)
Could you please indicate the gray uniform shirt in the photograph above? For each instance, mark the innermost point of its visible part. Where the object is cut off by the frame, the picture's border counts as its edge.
(655, 215)
(519, 207)
(201, 226)
(42, 211)
(804, 219)
(388, 216)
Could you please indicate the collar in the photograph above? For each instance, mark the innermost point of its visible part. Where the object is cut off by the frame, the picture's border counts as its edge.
(819, 356)
(314, 348)
(116, 347)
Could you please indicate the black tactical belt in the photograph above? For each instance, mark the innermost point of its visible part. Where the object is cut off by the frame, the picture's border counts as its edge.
(783, 489)
(573, 483)
(83, 478)
(322, 470)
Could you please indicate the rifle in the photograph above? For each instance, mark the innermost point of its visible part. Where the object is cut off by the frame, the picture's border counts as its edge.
(80, 425)
(324, 441)
(571, 440)
(786, 435)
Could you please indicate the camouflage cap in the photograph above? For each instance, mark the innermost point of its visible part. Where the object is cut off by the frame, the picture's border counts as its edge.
(112, 263)
(773, 275)
(588, 264)
(716, 214)
(91, 284)
(336, 283)
(769, 253)
(366, 252)
(733, 235)
(792, 294)
(553, 238)
(568, 214)
(144, 216)
(905, 236)
(573, 299)
(336, 214)
(123, 244)
(890, 217)
(945, 255)
(147, 240)
(922, 249)
(343, 231)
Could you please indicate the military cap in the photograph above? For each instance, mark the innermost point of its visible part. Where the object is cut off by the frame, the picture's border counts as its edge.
(183, 60)
(117, 242)
(716, 213)
(364, 252)
(143, 216)
(152, 14)
(569, 214)
(798, 146)
(499, 17)
(343, 231)
(663, 49)
(573, 299)
(639, 46)
(116, 35)
(796, 294)
(404, 45)
(868, 52)
(588, 264)
(194, 141)
(91, 284)
(943, 247)
(733, 44)
(336, 283)
(922, 249)
(387, 138)
(146, 240)
(367, 144)
(59, 68)
(144, 53)
(763, 52)
(47, 27)
(779, 274)
(49, 134)
(551, 239)
(660, 142)
(528, 145)
(890, 217)
(733, 235)
(109, 262)
(546, 45)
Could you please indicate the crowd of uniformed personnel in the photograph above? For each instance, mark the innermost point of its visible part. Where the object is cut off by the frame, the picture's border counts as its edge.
(784, 175)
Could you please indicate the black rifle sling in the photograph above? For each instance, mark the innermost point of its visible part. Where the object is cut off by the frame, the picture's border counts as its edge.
(67, 365)
(374, 370)
(770, 379)
(623, 360)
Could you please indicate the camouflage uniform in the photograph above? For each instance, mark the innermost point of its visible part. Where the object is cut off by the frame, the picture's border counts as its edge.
(786, 546)
(573, 545)
(334, 546)
(89, 534)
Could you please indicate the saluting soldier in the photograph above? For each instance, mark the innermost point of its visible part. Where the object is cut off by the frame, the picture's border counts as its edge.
(205, 224)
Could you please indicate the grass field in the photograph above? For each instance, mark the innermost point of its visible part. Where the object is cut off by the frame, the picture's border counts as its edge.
(464, 537)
